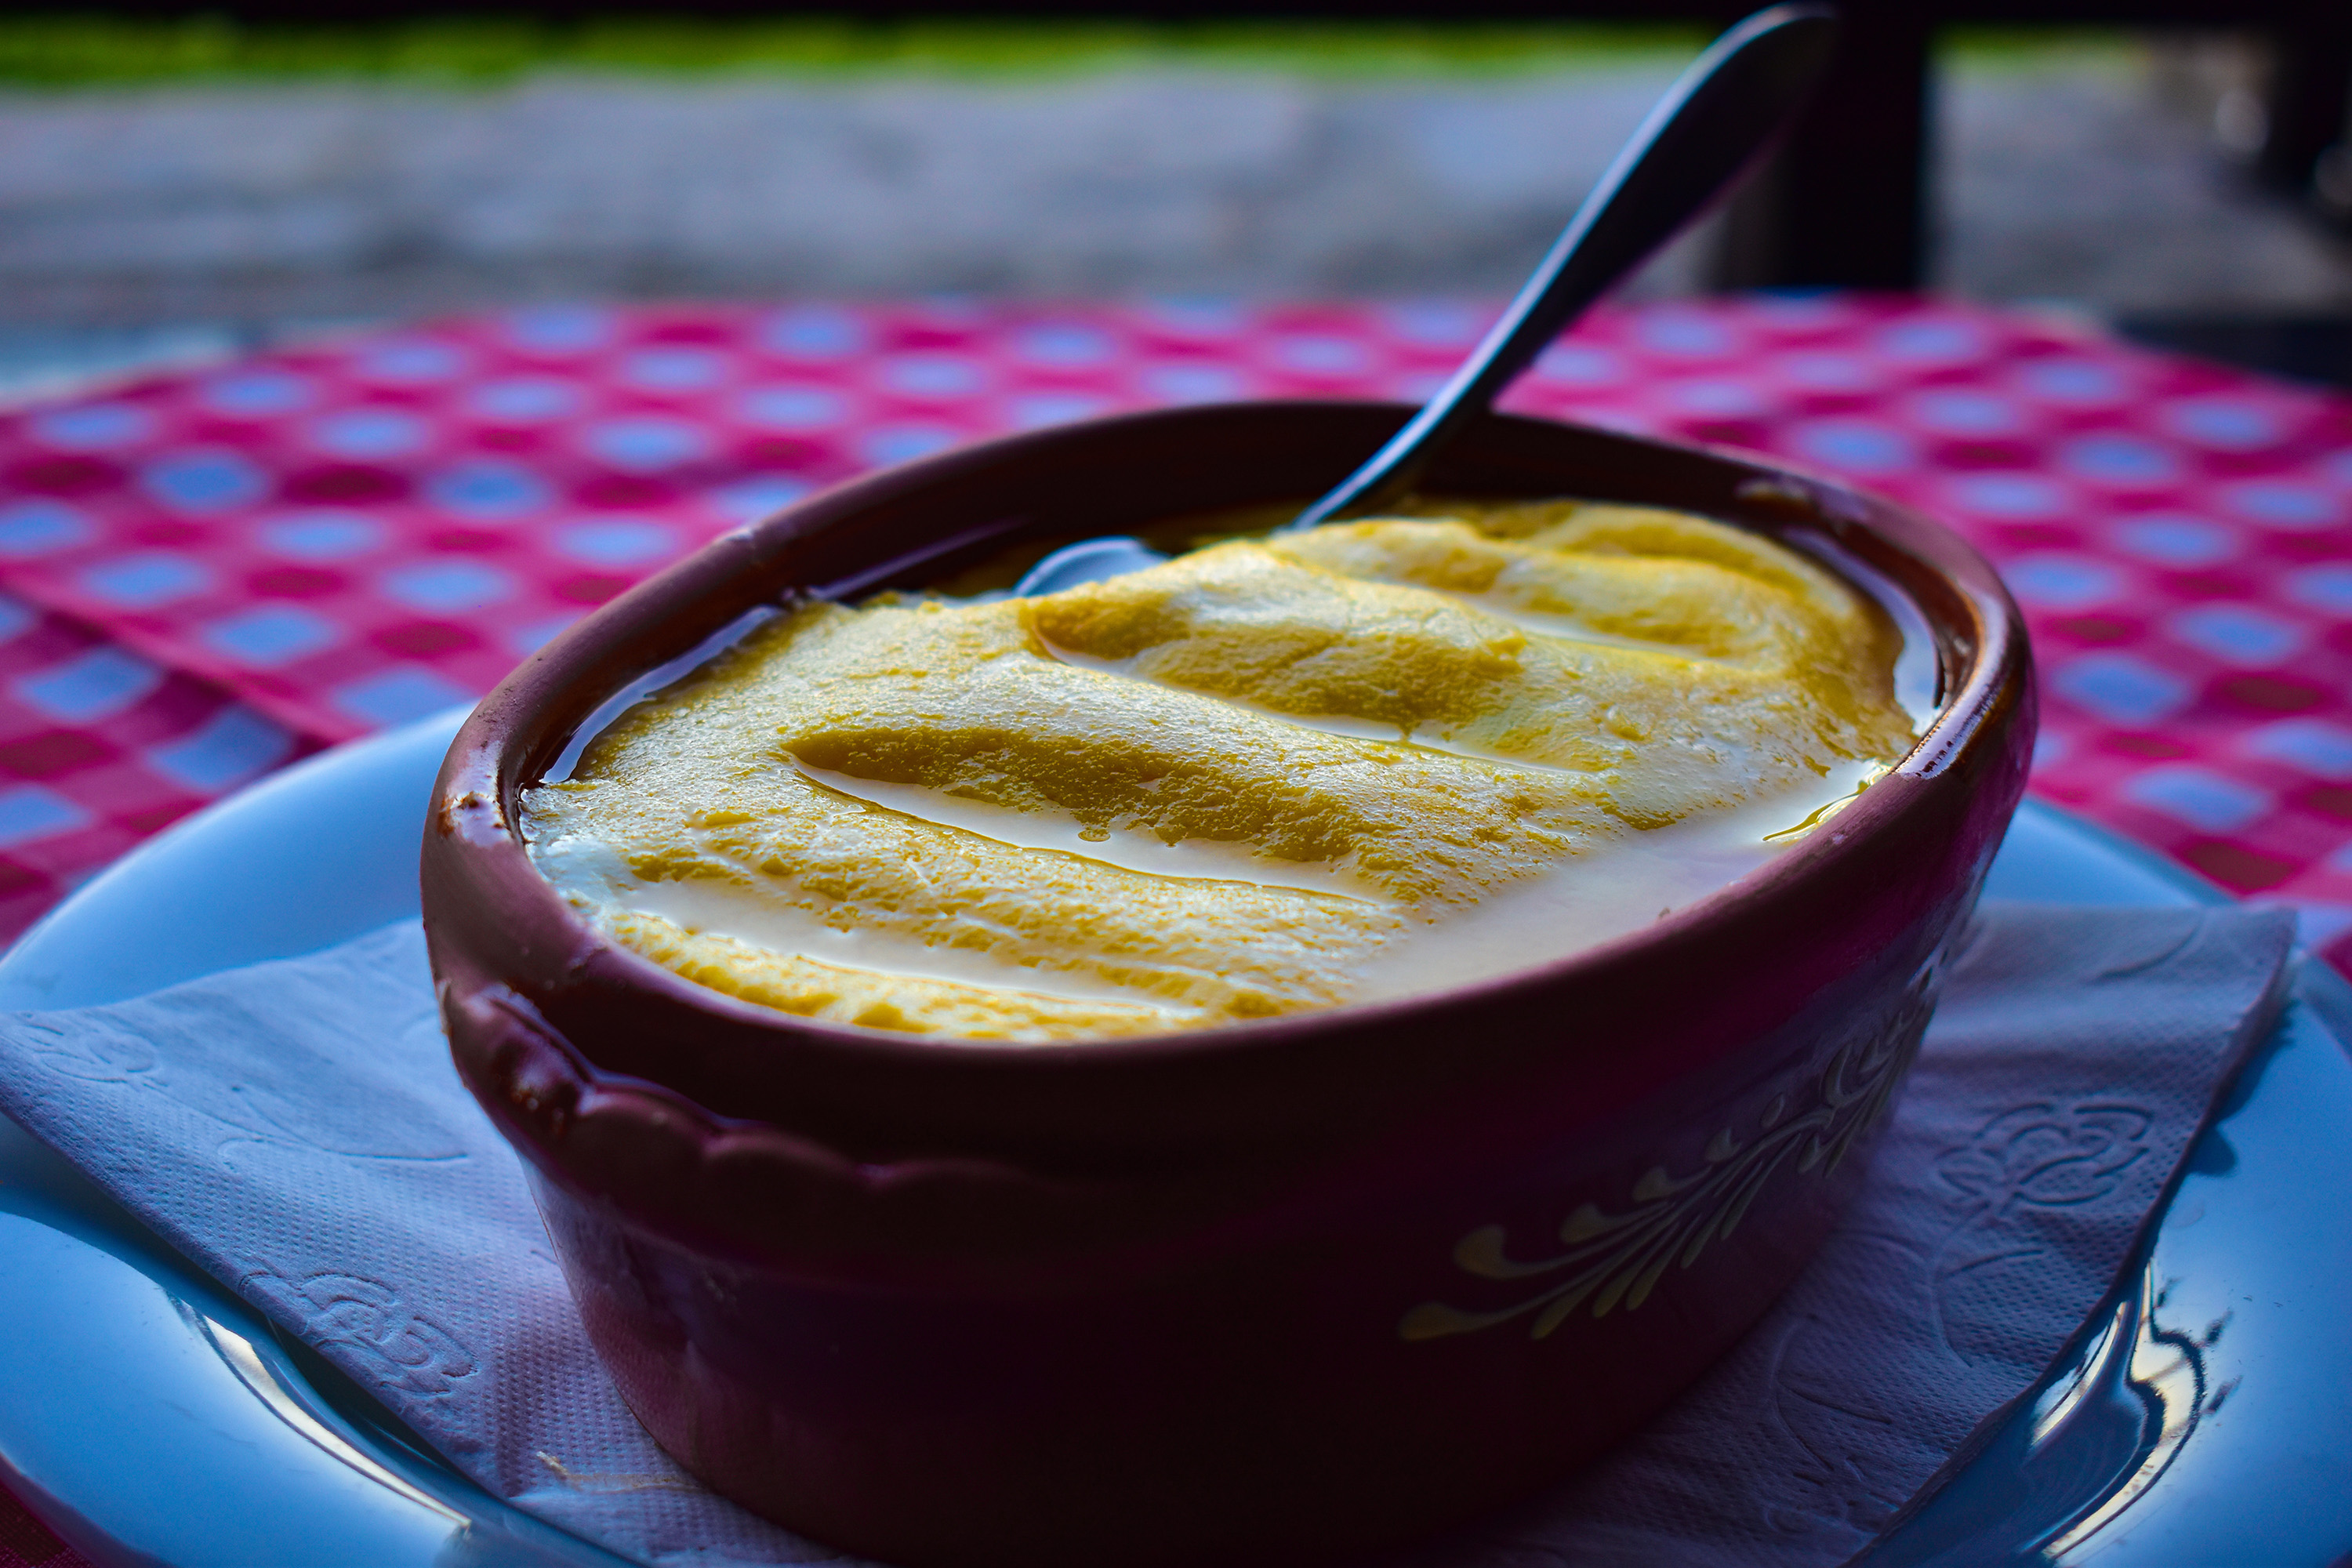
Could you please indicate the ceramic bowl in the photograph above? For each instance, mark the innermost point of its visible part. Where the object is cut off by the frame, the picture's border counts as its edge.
(1285, 1290)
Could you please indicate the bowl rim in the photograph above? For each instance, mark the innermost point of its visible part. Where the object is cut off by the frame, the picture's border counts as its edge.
(488, 747)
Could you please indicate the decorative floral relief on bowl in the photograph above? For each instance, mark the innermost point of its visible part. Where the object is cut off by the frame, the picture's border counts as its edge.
(1617, 1259)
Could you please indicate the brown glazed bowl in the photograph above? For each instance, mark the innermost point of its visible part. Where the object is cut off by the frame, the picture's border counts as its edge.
(1286, 1291)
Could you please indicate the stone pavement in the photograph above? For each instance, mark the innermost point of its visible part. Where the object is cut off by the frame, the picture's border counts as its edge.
(115, 206)
(2085, 185)
(255, 211)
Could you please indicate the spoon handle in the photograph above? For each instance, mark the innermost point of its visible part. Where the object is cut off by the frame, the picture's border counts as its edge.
(1726, 110)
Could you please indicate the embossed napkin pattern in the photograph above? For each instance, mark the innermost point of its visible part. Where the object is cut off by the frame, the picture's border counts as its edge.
(296, 1128)
(2073, 1058)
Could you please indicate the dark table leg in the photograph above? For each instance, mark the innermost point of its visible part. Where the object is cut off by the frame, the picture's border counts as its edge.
(1843, 203)
(2307, 101)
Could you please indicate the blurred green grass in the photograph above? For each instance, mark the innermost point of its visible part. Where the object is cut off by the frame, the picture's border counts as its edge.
(68, 49)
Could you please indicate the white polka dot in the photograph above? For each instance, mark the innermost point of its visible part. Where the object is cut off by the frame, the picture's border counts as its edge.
(253, 393)
(890, 444)
(90, 685)
(196, 481)
(29, 813)
(2116, 459)
(669, 368)
(2314, 745)
(1858, 446)
(2198, 797)
(1931, 342)
(1684, 333)
(1182, 380)
(31, 528)
(643, 443)
(1063, 344)
(2239, 635)
(272, 635)
(793, 407)
(1950, 411)
(322, 535)
(2327, 586)
(2078, 383)
(815, 333)
(524, 399)
(932, 375)
(616, 541)
(2224, 424)
(144, 580)
(1437, 323)
(1574, 365)
(2120, 689)
(411, 362)
(92, 427)
(447, 586)
(487, 490)
(1829, 372)
(2008, 495)
(366, 433)
(2057, 582)
(226, 749)
(2174, 540)
(398, 695)
(2284, 504)
(1320, 354)
(1718, 399)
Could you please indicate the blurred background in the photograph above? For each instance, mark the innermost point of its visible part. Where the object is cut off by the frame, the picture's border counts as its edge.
(178, 187)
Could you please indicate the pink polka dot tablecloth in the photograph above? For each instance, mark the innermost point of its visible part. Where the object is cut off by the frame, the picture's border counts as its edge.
(206, 576)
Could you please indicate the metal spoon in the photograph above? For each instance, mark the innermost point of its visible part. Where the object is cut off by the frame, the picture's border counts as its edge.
(1712, 124)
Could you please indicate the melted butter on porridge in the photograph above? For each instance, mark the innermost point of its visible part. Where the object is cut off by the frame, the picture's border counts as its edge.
(1278, 773)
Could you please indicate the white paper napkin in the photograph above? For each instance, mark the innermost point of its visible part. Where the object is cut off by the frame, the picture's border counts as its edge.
(296, 1129)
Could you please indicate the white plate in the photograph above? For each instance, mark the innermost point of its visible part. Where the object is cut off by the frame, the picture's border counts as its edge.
(151, 1418)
